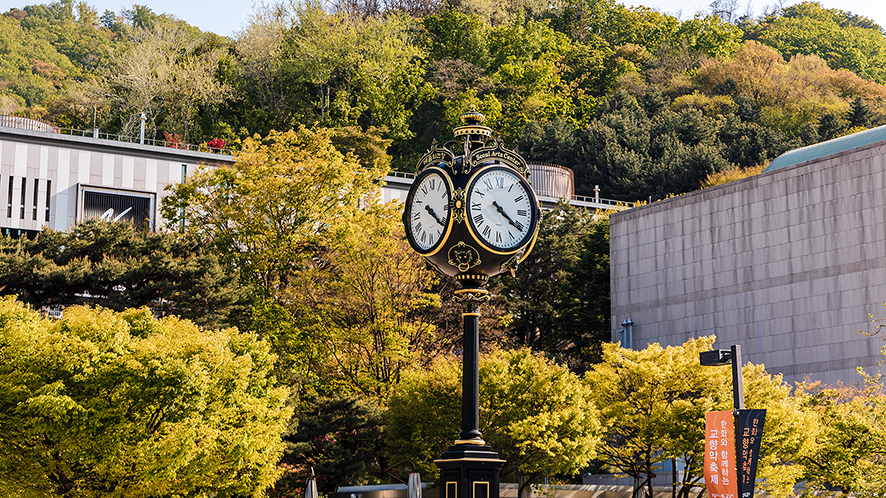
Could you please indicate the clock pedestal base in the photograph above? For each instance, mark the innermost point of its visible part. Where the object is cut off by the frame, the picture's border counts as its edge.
(470, 471)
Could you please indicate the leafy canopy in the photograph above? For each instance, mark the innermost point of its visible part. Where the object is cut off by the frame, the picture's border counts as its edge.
(286, 194)
(113, 404)
(117, 266)
(535, 413)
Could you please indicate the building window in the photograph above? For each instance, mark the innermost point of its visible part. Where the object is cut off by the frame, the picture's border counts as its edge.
(24, 191)
(48, 197)
(36, 197)
(9, 202)
(118, 205)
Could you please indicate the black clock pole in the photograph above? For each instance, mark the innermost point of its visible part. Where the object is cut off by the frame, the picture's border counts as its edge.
(470, 397)
(470, 469)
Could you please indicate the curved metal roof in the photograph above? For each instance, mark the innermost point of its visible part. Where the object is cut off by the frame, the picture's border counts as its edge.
(828, 148)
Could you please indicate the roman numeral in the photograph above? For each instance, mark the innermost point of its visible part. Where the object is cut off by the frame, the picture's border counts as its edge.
(424, 236)
(487, 231)
(416, 216)
(478, 219)
(519, 225)
(475, 205)
(498, 237)
(424, 189)
(518, 199)
(521, 212)
(433, 183)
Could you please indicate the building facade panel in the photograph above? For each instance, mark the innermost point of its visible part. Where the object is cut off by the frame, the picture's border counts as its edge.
(788, 264)
(43, 177)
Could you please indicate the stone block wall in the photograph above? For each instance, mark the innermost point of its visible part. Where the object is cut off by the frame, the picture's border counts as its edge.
(788, 264)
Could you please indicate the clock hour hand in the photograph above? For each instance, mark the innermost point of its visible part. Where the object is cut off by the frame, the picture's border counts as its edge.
(434, 215)
(505, 215)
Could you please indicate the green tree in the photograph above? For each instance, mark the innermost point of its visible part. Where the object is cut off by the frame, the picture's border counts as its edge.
(285, 196)
(559, 295)
(653, 402)
(365, 71)
(112, 404)
(458, 36)
(859, 114)
(535, 413)
(342, 439)
(832, 34)
(849, 443)
(638, 155)
(117, 266)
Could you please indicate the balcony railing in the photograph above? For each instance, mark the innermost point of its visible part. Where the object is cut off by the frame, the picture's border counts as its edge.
(95, 133)
(28, 124)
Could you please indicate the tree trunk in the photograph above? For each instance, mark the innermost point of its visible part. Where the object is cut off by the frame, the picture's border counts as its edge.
(524, 489)
(673, 478)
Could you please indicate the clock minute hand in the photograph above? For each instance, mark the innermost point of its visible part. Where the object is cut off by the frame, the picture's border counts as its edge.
(504, 214)
(434, 215)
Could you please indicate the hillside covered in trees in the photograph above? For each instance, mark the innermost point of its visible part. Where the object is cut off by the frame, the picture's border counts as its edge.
(333, 310)
(630, 98)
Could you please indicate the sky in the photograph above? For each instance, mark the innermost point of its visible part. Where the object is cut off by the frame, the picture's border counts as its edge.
(226, 17)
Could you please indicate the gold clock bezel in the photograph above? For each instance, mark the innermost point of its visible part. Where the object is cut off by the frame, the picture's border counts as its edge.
(407, 211)
(531, 234)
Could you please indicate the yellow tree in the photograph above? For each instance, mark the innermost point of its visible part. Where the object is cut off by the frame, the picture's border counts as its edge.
(538, 415)
(653, 403)
(286, 195)
(366, 298)
(164, 71)
(850, 439)
(107, 404)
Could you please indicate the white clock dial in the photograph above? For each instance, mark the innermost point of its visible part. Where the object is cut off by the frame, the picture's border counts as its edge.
(428, 211)
(501, 208)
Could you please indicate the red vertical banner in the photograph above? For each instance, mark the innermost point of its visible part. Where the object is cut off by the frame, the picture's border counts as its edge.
(719, 458)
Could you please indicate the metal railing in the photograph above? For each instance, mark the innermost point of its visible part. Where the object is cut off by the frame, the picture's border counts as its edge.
(600, 200)
(95, 133)
(579, 198)
(402, 174)
(28, 124)
(20, 123)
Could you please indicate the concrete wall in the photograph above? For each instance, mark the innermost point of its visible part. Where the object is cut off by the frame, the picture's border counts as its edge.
(787, 264)
(38, 164)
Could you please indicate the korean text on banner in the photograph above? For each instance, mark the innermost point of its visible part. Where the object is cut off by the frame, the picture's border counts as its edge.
(750, 427)
(719, 459)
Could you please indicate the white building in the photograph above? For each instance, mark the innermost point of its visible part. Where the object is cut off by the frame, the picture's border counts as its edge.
(53, 179)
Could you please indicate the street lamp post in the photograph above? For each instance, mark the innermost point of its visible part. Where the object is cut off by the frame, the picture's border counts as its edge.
(748, 431)
(720, 357)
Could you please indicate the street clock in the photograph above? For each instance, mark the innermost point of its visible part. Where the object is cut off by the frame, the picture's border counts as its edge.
(472, 214)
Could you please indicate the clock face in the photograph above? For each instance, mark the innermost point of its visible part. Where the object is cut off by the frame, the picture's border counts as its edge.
(427, 211)
(502, 211)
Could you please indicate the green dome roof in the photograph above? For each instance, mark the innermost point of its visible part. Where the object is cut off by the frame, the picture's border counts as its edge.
(828, 148)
